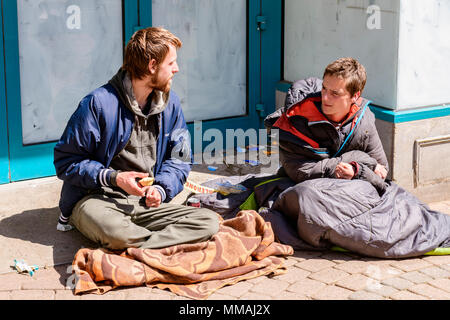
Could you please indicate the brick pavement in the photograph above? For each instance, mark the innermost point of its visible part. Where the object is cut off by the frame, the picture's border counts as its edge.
(311, 275)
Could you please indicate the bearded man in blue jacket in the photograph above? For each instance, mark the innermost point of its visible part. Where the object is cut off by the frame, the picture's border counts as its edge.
(131, 128)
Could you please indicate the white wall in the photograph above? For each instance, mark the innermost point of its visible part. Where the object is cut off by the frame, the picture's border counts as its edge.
(319, 32)
(424, 53)
(212, 80)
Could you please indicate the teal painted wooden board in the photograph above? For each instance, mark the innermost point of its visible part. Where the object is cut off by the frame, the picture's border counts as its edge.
(4, 157)
(33, 161)
(21, 162)
(271, 49)
(410, 115)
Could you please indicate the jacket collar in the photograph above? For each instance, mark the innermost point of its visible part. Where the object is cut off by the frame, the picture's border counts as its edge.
(311, 109)
(122, 83)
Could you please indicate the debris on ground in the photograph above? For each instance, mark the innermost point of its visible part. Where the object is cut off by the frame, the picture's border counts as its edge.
(22, 267)
(253, 162)
(226, 188)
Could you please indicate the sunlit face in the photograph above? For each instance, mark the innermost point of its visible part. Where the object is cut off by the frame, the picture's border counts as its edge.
(162, 74)
(336, 100)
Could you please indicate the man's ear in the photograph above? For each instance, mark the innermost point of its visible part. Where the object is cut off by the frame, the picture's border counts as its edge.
(356, 97)
(152, 66)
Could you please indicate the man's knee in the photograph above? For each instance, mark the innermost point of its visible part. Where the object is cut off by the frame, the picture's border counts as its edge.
(209, 222)
(97, 221)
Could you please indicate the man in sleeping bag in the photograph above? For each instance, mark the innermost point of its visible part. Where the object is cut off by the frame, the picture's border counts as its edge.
(313, 131)
(330, 148)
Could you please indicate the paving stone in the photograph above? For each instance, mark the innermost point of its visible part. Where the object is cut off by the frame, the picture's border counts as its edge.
(411, 264)
(381, 272)
(218, 296)
(416, 277)
(382, 290)
(294, 274)
(148, 293)
(305, 255)
(398, 283)
(315, 264)
(12, 281)
(443, 207)
(306, 287)
(91, 296)
(336, 257)
(438, 260)
(353, 266)
(443, 284)
(354, 282)
(288, 263)
(237, 289)
(329, 275)
(445, 266)
(407, 295)
(365, 295)
(430, 291)
(116, 294)
(4, 295)
(44, 280)
(378, 261)
(143, 293)
(171, 296)
(66, 295)
(32, 295)
(436, 272)
(255, 296)
(270, 287)
(286, 295)
(332, 293)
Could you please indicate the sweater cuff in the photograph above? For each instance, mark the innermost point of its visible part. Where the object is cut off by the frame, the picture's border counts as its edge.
(161, 191)
(355, 166)
(107, 177)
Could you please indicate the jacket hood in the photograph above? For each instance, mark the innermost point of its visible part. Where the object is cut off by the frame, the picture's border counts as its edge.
(302, 90)
(122, 83)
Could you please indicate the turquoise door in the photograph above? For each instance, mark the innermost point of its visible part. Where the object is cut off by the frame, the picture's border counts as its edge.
(56, 51)
(4, 157)
(230, 60)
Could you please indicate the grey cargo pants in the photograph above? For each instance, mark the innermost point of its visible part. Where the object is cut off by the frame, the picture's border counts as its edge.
(119, 223)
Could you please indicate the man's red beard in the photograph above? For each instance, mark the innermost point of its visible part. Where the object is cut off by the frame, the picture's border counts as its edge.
(160, 85)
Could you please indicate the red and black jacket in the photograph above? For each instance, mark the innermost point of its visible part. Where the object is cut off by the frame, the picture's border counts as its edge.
(311, 146)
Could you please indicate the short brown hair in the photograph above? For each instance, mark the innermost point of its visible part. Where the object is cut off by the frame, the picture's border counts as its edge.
(351, 71)
(145, 45)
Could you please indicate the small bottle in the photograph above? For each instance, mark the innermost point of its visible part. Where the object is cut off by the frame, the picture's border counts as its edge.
(193, 202)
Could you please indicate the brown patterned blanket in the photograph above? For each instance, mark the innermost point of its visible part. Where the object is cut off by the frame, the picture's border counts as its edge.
(244, 248)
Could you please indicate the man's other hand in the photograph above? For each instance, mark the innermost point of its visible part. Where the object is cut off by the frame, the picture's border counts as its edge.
(127, 182)
(344, 171)
(380, 171)
(153, 197)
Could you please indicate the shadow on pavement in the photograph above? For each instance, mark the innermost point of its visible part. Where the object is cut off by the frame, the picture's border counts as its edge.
(32, 236)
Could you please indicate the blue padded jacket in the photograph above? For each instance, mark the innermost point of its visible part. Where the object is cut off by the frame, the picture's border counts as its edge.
(99, 129)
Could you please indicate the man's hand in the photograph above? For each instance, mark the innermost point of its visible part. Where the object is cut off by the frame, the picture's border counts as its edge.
(153, 197)
(344, 171)
(380, 171)
(127, 182)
